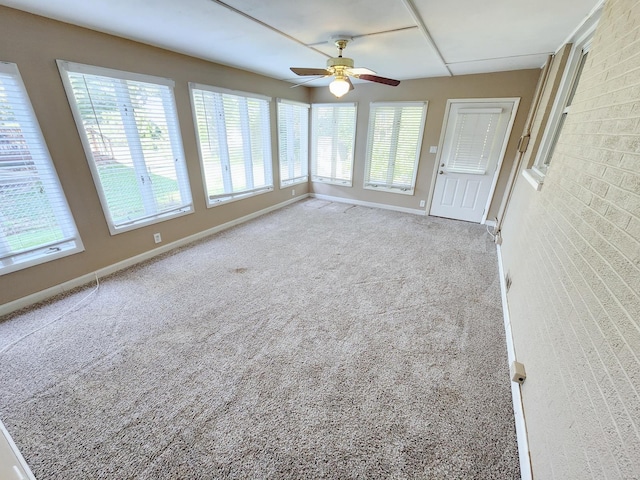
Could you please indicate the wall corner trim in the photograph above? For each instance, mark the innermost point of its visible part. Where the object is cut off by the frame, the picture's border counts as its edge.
(533, 178)
(516, 396)
(13, 465)
(384, 206)
(128, 262)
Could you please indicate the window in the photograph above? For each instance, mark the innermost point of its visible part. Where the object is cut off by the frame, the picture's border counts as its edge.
(36, 225)
(234, 138)
(332, 143)
(393, 145)
(130, 132)
(293, 142)
(564, 99)
(545, 160)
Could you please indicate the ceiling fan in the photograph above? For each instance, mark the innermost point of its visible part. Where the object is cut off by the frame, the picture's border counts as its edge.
(342, 68)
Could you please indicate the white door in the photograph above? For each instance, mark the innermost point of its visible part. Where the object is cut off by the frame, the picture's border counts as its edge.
(475, 138)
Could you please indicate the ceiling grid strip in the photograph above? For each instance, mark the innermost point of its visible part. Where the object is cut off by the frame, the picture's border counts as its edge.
(266, 25)
(423, 28)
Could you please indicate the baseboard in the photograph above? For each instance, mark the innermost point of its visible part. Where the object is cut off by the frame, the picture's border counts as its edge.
(489, 223)
(516, 396)
(330, 198)
(90, 277)
(12, 463)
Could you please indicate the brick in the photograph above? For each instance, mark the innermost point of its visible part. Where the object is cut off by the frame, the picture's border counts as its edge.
(631, 182)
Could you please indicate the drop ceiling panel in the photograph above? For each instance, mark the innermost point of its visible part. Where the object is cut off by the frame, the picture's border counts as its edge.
(402, 54)
(195, 27)
(314, 21)
(473, 36)
(494, 29)
(487, 66)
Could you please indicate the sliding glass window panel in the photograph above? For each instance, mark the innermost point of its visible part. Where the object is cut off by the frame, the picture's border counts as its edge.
(129, 127)
(36, 224)
(393, 145)
(234, 139)
(293, 142)
(333, 133)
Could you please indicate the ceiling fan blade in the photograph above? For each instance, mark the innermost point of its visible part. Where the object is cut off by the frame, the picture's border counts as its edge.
(351, 87)
(315, 77)
(303, 72)
(360, 71)
(377, 79)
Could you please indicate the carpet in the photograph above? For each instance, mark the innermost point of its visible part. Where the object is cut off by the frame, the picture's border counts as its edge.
(323, 340)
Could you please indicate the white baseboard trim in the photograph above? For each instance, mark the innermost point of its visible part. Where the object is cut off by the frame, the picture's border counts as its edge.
(330, 198)
(90, 277)
(489, 223)
(12, 463)
(516, 395)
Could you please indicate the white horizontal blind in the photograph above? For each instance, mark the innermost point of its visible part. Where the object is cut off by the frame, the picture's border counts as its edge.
(333, 128)
(234, 137)
(474, 137)
(293, 142)
(132, 139)
(393, 145)
(35, 221)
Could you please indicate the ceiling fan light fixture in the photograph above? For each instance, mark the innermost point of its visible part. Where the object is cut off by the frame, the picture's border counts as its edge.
(339, 86)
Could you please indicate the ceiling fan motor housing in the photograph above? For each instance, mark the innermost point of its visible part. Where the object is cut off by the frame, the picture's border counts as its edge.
(339, 63)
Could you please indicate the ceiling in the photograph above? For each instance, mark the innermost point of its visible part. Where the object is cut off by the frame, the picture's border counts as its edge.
(402, 39)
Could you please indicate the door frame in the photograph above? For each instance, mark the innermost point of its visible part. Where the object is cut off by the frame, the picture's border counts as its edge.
(503, 149)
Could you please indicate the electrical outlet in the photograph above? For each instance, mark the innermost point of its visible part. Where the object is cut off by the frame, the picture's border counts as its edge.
(157, 237)
(293, 192)
(433, 149)
(422, 203)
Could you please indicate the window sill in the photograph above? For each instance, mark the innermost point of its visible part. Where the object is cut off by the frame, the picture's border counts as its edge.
(330, 181)
(381, 188)
(534, 178)
(288, 183)
(239, 196)
(39, 258)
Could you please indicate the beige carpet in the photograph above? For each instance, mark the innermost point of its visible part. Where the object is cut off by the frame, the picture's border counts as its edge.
(320, 341)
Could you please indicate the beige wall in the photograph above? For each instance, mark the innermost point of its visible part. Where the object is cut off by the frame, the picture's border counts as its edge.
(34, 43)
(436, 91)
(572, 251)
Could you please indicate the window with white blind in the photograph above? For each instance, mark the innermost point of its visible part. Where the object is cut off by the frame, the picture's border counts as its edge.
(473, 139)
(333, 133)
(36, 225)
(234, 138)
(129, 128)
(293, 142)
(393, 145)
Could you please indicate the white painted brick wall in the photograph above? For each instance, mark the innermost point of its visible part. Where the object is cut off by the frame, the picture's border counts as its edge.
(573, 253)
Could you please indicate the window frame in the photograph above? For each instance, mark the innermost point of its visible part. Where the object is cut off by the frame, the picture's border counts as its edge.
(390, 187)
(581, 39)
(170, 109)
(334, 163)
(45, 168)
(304, 143)
(227, 197)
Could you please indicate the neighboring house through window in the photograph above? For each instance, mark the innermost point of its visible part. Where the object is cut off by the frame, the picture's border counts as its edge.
(36, 225)
(129, 128)
(234, 139)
